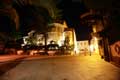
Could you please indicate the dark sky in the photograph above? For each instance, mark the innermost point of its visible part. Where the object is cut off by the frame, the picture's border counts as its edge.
(72, 9)
(71, 13)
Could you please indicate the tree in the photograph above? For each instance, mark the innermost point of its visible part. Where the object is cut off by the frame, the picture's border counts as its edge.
(9, 21)
(33, 17)
(51, 6)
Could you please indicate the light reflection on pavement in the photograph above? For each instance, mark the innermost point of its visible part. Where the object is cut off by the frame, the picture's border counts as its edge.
(64, 68)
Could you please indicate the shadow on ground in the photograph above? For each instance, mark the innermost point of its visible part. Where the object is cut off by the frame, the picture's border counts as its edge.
(4, 67)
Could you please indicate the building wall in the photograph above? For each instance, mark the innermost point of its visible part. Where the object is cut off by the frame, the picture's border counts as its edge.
(83, 46)
(69, 34)
(56, 34)
(59, 34)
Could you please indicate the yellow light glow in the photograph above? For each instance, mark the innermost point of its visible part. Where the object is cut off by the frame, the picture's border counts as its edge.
(58, 34)
(75, 43)
(94, 28)
(94, 47)
(32, 52)
(19, 52)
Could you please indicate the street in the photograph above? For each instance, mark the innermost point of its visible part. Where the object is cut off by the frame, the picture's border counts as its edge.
(63, 68)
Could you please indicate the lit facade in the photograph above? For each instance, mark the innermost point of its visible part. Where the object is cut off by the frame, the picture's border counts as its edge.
(56, 34)
(83, 46)
(59, 33)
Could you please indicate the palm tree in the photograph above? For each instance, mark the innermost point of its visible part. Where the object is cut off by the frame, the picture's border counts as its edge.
(33, 17)
(51, 6)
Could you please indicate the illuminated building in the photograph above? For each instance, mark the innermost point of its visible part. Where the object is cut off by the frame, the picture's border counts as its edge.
(83, 46)
(59, 34)
(94, 21)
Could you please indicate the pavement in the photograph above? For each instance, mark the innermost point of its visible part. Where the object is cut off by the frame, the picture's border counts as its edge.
(63, 68)
(8, 58)
(8, 62)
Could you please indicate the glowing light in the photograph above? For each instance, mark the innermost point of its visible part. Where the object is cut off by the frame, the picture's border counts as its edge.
(94, 47)
(51, 53)
(91, 48)
(75, 43)
(58, 34)
(83, 46)
(32, 52)
(94, 29)
(59, 43)
(25, 39)
(19, 52)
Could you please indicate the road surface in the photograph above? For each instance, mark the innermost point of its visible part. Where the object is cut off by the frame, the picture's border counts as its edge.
(63, 68)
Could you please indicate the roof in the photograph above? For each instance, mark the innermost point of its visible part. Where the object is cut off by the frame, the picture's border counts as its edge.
(57, 25)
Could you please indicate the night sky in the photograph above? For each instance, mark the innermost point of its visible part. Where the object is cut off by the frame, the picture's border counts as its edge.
(72, 10)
